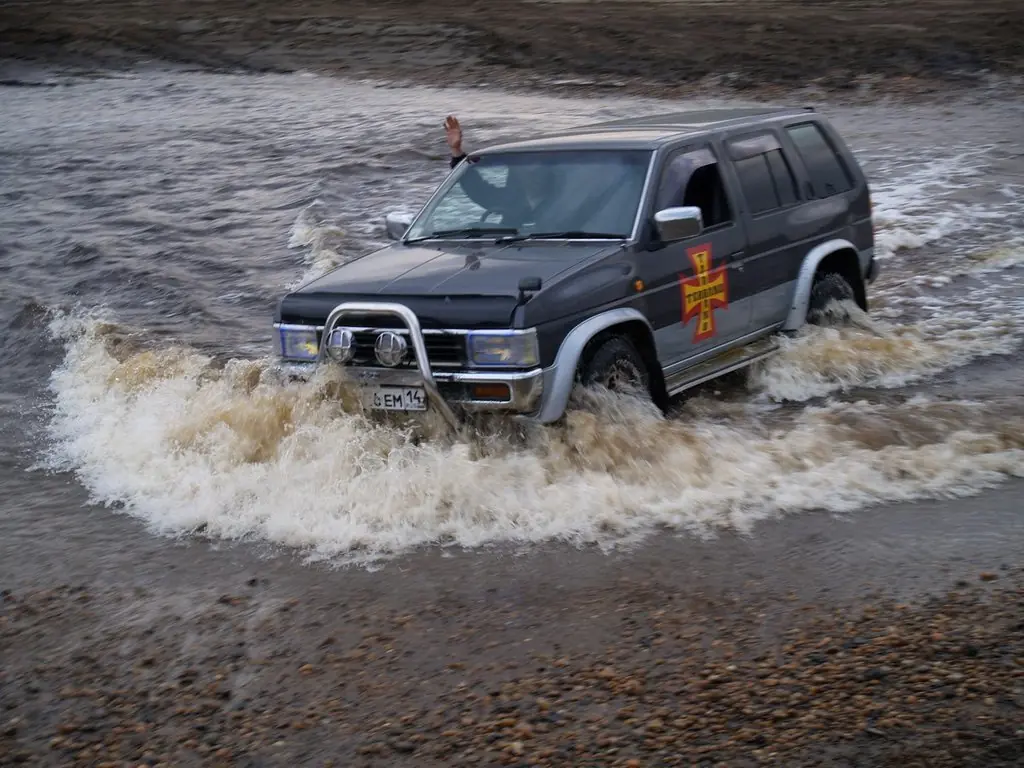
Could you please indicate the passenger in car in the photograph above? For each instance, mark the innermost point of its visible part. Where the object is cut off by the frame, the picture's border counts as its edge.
(520, 200)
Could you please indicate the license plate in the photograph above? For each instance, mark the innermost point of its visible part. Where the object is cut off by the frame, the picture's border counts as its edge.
(396, 398)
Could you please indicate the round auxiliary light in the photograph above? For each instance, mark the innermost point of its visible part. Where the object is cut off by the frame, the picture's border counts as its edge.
(341, 345)
(390, 349)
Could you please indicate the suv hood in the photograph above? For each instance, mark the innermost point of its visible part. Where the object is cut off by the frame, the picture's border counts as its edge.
(477, 269)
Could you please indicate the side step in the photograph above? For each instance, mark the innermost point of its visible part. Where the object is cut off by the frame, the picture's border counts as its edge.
(727, 362)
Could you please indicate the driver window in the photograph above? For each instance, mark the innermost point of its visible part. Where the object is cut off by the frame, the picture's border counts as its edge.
(457, 209)
(692, 177)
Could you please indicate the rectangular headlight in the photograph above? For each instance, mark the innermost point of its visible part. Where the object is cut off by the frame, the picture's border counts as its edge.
(297, 342)
(515, 350)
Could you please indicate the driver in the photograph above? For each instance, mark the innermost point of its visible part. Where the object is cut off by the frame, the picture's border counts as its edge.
(521, 199)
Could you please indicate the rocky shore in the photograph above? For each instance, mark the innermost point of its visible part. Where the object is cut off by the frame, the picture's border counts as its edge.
(848, 49)
(627, 675)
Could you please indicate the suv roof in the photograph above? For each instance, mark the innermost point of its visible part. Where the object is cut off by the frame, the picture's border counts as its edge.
(650, 131)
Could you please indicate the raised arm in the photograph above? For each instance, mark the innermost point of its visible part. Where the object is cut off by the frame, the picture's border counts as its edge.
(479, 191)
(453, 132)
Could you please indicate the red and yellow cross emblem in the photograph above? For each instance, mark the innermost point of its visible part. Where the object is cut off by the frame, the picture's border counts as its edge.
(703, 293)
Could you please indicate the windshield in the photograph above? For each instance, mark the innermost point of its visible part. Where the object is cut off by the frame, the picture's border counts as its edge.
(581, 192)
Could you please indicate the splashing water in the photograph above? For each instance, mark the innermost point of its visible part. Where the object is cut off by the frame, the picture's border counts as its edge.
(192, 446)
(820, 360)
(180, 226)
(322, 239)
(903, 199)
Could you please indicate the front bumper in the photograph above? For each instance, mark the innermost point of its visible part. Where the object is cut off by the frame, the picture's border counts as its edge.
(525, 388)
(513, 391)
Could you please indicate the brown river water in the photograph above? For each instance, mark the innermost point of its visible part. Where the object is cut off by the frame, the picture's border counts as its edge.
(150, 222)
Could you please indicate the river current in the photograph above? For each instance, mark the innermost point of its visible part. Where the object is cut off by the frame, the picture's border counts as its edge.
(150, 222)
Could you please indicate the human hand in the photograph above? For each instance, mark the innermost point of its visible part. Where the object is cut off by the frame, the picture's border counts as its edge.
(453, 132)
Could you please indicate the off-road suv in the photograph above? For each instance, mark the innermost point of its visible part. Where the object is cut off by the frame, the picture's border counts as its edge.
(664, 250)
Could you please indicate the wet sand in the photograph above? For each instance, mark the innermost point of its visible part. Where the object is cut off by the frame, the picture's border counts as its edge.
(849, 48)
(894, 638)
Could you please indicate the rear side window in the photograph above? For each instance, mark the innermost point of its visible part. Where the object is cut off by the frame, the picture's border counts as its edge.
(829, 175)
(782, 175)
(756, 183)
(765, 177)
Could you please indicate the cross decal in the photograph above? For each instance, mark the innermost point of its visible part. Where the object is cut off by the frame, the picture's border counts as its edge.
(703, 293)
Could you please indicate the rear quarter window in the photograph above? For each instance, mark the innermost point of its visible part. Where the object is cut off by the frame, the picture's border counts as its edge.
(766, 180)
(785, 184)
(828, 173)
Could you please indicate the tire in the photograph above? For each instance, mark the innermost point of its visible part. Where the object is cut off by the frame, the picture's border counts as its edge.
(617, 365)
(829, 287)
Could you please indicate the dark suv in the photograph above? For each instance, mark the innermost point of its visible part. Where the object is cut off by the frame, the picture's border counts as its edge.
(662, 251)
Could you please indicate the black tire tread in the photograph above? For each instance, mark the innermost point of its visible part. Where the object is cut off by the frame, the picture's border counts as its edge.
(604, 355)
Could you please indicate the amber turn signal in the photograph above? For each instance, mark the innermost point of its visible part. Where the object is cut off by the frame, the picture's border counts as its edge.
(499, 392)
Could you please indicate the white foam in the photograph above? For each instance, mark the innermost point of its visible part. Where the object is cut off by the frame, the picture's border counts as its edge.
(875, 353)
(906, 208)
(186, 446)
(993, 260)
(322, 238)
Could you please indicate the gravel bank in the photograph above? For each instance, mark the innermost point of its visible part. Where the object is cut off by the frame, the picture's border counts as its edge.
(848, 48)
(626, 676)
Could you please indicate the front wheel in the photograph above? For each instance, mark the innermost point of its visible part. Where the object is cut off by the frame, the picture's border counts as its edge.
(616, 365)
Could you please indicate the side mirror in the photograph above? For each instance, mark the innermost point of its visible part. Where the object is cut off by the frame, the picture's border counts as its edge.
(528, 285)
(678, 223)
(396, 224)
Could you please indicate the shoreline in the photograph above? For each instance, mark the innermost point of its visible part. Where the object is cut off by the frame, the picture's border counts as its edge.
(925, 50)
(812, 641)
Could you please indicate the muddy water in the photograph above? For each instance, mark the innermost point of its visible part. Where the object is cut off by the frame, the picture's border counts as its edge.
(150, 223)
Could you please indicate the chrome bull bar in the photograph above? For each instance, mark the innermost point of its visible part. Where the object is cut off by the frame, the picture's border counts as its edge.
(412, 323)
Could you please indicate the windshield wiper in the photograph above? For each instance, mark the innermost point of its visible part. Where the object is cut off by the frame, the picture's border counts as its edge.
(466, 232)
(570, 235)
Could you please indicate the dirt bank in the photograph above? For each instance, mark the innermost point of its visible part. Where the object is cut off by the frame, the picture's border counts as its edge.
(665, 48)
(249, 677)
(886, 642)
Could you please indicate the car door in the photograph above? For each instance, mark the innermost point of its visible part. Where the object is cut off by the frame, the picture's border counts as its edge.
(770, 210)
(697, 295)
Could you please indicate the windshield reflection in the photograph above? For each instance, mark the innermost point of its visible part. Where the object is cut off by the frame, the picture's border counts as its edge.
(595, 191)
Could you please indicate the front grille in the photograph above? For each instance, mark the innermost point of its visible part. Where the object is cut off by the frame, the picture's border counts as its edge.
(374, 321)
(444, 350)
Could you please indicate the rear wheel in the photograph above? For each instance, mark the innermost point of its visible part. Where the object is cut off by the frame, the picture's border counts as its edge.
(830, 295)
(617, 365)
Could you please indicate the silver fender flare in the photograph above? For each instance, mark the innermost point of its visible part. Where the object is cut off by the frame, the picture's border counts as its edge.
(805, 280)
(560, 377)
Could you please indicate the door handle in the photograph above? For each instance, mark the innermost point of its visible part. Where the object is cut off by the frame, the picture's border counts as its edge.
(736, 258)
